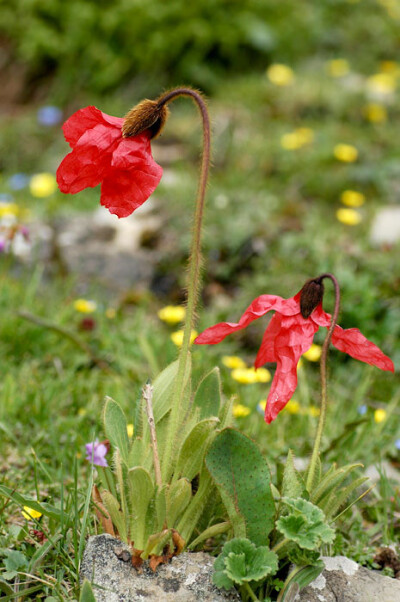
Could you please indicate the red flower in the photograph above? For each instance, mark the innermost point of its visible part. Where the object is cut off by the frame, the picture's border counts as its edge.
(124, 166)
(287, 337)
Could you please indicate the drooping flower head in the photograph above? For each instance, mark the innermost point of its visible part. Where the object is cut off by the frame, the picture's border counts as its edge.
(96, 453)
(110, 151)
(289, 334)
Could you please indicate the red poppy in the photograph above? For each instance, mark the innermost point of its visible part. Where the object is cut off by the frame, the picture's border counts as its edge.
(100, 154)
(287, 337)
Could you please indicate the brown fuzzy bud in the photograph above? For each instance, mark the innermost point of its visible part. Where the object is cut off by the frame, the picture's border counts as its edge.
(147, 115)
(311, 296)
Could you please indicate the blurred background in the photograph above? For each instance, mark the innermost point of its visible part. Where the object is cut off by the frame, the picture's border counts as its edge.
(304, 100)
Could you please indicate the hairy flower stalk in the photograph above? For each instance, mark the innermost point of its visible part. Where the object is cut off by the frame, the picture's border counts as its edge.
(324, 356)
(153, 114)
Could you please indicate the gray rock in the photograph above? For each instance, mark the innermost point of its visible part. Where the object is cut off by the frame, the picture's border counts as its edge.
(187, 578)
(343, 580)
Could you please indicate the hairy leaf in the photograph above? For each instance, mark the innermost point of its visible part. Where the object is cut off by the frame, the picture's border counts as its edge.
(305, 524)
(243, 479)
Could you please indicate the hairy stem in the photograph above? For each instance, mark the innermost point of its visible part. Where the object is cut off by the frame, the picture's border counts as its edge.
(323, 362)
(193, 282)
(148, 397)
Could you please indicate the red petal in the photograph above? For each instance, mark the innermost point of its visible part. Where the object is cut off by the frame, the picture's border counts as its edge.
(123, 191)
(87, 164)
(259, 307)
(86, 119)
(133, 152)
(353, 342)
(294, 338)
(266, 353)
(320, 317)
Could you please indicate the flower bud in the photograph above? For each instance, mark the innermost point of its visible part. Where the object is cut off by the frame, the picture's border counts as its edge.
(147, 115)
(311, 296)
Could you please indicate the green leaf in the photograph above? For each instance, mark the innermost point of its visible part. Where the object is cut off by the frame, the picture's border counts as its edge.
(191, 455)
(117, 517)
(331, 480)
(208, 395)
(21, 500)
(161, 506)
(302, 577)
(304, 557)
(305, 524)
(291, 482)
(178, 498)
(87, 594)
(243, 479)
(253, 564)
(141, 490)
(15, 561)
(241, 561)
(115, 428)
(163, 389)
(5, 588)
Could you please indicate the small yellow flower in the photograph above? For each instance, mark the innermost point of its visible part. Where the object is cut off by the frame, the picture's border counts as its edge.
(110, 313)
(233, 362)
(382, 83)
(240, 411)
(78, 455)
(280, 75)
(314, 411)
(350, 217)
(338, 67)
(42, 185)
(346, 153)
(172, 314)
(352, 198)
(390, 67)
(84, 306)
(314, 353)
(30, 514)
(249, 376)
(82, 412)
(380, 415)
(293, 407)
(9, 210)
(177, 337)
(262, 405)
(129, 430)
(375, 113)
(297, 139)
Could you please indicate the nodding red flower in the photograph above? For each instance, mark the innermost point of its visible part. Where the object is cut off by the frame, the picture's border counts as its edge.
(287, 337)
(100, 154)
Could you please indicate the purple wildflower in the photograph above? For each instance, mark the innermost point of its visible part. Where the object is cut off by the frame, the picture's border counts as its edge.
(49, 115)
(96, 453)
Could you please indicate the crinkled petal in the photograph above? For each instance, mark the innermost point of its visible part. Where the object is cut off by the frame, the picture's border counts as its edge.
(86, 119)
(134, 153)
(293, 339)
(259, 307)
(320, 317)
(266, 353)
(123, 191)
(88, 163)
(353, 342)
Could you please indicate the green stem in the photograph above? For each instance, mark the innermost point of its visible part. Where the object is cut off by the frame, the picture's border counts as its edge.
(280, 545)
(250, 592)
(324, 355)
(193, 283)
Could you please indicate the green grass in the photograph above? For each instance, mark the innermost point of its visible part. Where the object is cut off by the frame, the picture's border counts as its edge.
(271, 224)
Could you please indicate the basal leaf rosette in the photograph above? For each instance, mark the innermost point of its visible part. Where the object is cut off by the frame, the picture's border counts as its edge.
(241, 561)
(305, 524)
